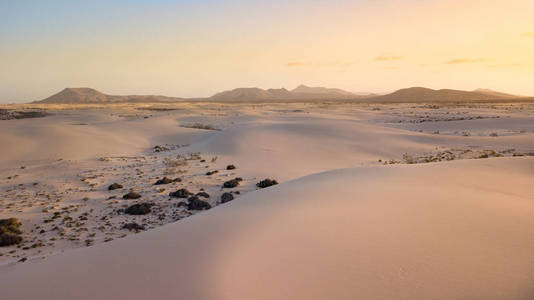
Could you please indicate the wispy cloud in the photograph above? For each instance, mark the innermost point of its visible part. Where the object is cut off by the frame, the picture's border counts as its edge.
(528, 35)
(464, 61)
(388, 58)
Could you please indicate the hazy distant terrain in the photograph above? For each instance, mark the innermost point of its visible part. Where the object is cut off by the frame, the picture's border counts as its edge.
(88, 95)
(300, 94)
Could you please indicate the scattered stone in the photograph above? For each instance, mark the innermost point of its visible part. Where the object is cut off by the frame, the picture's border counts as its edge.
(23, 259)
(230, 167)
(212, 172)
(181, 193)
(266, 183)
(226, 197)
(133, 226)
(232, 183)
(194, 203)
(138, 209)
(114, 186)
(132, 195)
(166, 180)
(203, 194)
(182, 204)
(10, 232)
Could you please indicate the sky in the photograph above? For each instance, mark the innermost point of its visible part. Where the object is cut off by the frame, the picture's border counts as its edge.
(197, 48)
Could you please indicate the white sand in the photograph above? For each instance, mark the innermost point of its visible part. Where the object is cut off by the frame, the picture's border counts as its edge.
(441, 231)
(459, 229)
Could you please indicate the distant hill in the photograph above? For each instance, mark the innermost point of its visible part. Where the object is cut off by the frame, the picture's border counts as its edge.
(495, 93)
(88, 95)
(302, 89)
(420, 94)
(302, 92)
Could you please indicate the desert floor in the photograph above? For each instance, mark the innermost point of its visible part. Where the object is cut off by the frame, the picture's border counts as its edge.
(374, 201)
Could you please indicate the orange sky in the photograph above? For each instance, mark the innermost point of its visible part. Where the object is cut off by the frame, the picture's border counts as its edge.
(197, 48)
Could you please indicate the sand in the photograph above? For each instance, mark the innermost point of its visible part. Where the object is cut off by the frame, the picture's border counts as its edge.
(358, 213)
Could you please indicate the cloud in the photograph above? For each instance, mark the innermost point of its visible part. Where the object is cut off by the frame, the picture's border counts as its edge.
(464, 61)
(528, 35)
(388, 58)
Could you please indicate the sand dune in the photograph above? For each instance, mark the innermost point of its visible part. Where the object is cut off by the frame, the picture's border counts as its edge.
(452, 230)
(351, 219)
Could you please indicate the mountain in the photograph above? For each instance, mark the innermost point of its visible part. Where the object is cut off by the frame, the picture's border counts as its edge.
(302, 89)
(302, 92)
(420, 94)
(245, 94)
(495, 93)
(88, 95)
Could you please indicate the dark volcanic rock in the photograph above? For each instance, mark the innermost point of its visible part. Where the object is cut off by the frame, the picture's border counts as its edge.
(232, 183)
(133, 226)
(115, 186)
(203, 194)
(181, 193)
(230, 167)
(9, 232)
(266, 183)
(212, 172)
(166, 180)
(194, 203)
(7, 239)
(226, 197)
(138, 209)
(132, 195)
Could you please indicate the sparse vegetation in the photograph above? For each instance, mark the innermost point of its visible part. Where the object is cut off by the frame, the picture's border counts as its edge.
(200, 126)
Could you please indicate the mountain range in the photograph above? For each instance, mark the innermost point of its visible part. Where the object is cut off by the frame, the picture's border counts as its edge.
(88, 95)
(300, 93)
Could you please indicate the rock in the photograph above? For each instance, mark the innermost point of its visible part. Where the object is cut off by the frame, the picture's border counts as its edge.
(266, 183)
(10, 232)
(133, 226)
(114, 186)
(181, 193)
(230, 167)
(226, 197)
(211, 172)
(8, 239)
(203, 194)
(194, 203)
(181, 204)
(138, 209)
(132, 195)
(166, 180)
(232, 183)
